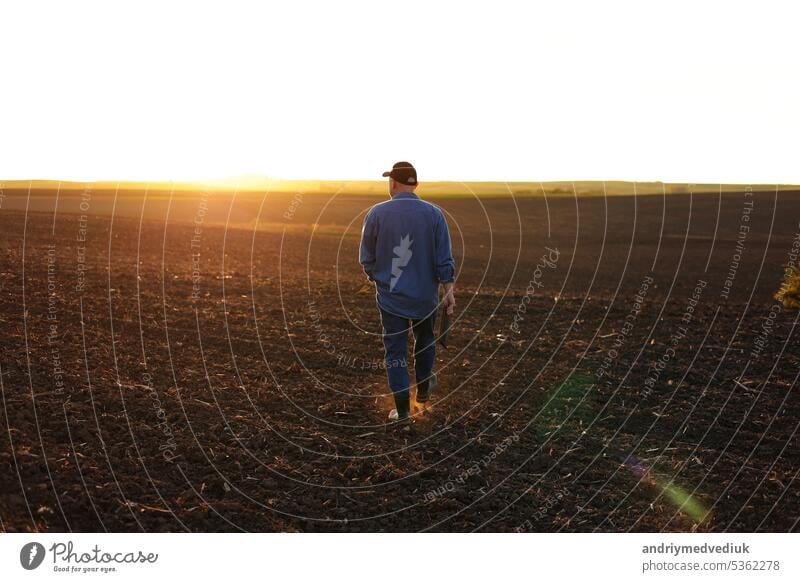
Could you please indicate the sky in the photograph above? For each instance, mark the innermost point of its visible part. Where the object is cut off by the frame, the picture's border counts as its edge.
(506, 91)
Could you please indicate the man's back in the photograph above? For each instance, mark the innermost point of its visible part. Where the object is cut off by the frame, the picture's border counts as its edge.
(405, 249)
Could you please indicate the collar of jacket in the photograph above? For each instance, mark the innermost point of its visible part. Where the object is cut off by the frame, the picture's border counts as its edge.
(404, 194)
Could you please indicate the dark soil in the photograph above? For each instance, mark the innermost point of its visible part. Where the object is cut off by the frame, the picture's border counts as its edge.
(252, 398)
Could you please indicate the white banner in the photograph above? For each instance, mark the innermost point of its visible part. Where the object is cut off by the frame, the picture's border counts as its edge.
(400, 557)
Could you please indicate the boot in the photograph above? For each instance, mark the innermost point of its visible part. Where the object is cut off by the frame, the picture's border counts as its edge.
(402, 412)
(426, 387)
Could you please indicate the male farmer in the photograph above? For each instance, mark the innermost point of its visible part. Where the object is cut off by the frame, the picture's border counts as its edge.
(405, 251)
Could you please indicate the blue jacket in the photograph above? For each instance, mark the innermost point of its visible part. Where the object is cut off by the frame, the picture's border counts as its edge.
(406, 251)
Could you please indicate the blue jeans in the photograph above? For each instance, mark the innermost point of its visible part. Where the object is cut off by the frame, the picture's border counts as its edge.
(395, 341)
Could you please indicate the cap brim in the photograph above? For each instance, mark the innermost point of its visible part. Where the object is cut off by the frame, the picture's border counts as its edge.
(387, 174)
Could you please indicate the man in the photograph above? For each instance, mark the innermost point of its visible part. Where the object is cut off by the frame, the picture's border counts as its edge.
(406, 252)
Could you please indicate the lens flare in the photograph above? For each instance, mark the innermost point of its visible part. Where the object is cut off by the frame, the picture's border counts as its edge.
(570, 400)
(676, 495)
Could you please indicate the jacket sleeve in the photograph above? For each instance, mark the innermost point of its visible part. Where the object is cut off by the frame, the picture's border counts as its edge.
(369, 236)
(445, 265)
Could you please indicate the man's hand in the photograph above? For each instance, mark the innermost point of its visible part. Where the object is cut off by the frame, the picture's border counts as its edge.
(449, 301)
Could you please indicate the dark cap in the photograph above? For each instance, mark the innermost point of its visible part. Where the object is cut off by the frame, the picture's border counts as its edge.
(404, 173)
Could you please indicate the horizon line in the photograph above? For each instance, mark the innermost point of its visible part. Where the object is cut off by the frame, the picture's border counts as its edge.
(249, 181)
